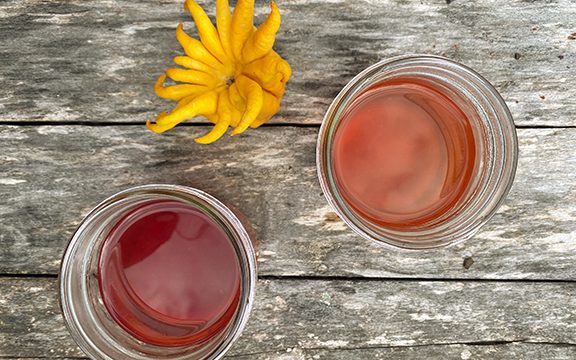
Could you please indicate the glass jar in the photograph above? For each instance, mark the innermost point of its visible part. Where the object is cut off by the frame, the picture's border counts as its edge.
(85, 313)
(494, 138)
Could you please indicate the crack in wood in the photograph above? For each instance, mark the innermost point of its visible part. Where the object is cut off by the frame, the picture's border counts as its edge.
(29, 276)
(88, 123)
(343, 279)
(407, 279)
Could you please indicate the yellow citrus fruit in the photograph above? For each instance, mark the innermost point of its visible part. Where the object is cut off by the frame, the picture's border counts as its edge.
(231, 75)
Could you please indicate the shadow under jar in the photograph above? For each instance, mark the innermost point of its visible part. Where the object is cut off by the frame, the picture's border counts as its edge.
(417, 152)
(158, 272)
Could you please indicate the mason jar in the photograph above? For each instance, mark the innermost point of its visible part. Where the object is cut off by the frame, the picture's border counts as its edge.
(87, 315)
(490, 153)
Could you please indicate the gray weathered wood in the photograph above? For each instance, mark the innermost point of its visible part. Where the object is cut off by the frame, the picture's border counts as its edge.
(301, 319)
(52, 175)
(323, 292)
(97, 60)
(467, 352)
(514, 351)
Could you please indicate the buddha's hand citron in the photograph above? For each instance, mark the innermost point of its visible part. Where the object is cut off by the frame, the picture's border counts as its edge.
(231, 75)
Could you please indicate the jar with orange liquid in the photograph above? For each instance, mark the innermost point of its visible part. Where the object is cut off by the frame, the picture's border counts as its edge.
(158, 272)
(417, 152)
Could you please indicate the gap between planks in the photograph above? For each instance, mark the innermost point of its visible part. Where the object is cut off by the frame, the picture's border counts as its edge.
(130, 123)
(271, 125)
(346, 278)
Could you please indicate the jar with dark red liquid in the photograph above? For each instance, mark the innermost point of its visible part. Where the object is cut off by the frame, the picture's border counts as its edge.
(417, 152)
(158, 272)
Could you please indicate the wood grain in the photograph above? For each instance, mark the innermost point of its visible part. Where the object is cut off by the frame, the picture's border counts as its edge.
(301, 319)
(520, 351)
(52, 175)
(85, 69)
(96, 61)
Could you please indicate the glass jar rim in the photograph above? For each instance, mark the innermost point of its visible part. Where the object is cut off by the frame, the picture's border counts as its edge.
(70, 269)
(494, 113)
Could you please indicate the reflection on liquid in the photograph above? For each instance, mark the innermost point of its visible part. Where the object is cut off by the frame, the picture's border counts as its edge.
(169, 275)
(403, 153)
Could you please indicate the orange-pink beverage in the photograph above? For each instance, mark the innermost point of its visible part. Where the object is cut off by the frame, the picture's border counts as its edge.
(403, 153)
(169, 275)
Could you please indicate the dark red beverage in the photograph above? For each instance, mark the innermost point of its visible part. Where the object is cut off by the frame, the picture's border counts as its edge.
(403, 153)
(169, 275)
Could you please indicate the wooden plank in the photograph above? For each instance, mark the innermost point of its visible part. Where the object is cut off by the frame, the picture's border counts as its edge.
(457, 351)
(306, 319)
(97, 60)
(51, 176)
(467, 352)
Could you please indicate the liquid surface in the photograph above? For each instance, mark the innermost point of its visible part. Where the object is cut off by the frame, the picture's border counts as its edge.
(169, 275)
(402, 154)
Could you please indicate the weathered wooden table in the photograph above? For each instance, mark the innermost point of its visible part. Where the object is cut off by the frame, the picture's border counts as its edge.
(77, 82)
